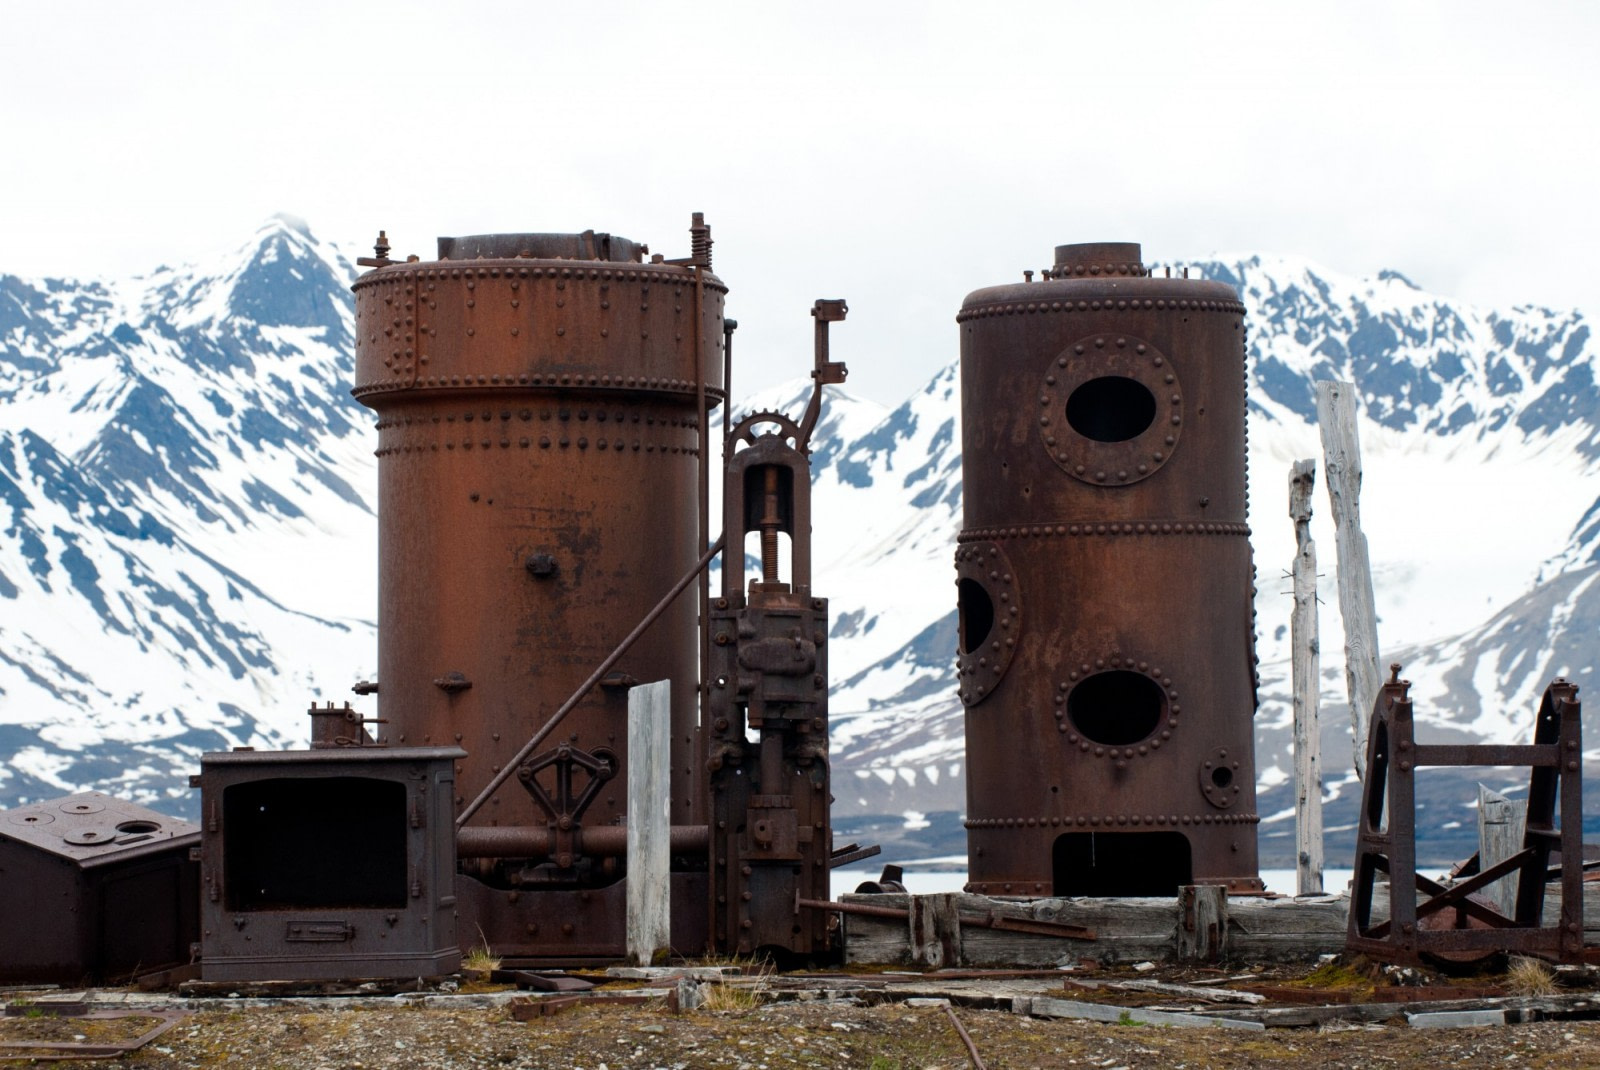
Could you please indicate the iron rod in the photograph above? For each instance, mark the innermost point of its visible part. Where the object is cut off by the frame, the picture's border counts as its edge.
(972, 1049)
(507, 770)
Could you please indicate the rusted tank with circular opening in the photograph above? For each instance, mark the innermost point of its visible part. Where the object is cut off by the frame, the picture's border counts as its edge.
(1107, 644)
(537, 406)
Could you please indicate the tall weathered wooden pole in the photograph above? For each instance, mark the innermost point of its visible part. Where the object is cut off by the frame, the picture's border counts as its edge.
(1307, 668)
(648, 923)
(1341, 451)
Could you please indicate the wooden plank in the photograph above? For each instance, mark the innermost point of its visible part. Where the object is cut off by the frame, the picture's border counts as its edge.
(1049, 1007)
(1306, 662)
(649, 920)
(1500, 824)
(1341, 450)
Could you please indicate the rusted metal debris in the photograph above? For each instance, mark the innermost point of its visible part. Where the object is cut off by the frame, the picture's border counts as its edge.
(531, 1010)
(1106, 647)
(60, 1051)
(1451, 922)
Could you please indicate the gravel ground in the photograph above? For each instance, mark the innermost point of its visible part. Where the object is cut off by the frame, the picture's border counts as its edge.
(405, 1032)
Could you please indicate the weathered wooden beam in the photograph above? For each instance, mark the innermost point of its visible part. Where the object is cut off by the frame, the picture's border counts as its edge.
(1341, 451)
(1306, 659)
(1500, 826)
(649, 919)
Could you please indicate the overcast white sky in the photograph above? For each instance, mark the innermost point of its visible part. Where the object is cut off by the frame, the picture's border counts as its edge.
(897, 155)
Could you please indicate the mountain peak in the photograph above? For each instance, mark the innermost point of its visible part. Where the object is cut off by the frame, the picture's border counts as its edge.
(282, 277)
(288, 221)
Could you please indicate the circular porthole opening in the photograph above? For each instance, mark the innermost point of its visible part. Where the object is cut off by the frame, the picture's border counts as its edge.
(1116, 708)
(1112, 408)
(976, 611)
(1222, 776)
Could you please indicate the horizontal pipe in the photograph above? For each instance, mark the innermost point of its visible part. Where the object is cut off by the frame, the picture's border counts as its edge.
(527, 841)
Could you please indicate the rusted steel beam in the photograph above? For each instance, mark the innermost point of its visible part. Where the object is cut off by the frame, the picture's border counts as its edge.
(533, 842)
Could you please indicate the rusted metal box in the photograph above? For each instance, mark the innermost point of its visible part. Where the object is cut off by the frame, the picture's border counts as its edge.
(322, 864)
(94, 889)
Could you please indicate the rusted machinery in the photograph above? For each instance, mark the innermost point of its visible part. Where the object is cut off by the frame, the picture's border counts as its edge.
(541, 405)
(770, 830)
(1455, 922)
(1106, 648)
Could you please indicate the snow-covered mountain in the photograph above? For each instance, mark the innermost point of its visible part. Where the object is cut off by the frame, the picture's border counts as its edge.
(186, 499)
(185, 490)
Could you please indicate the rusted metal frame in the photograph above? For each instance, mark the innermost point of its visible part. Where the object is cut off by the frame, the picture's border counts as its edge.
(510, 768)
(1453, 754)
(1553, 755)
(989, 920)
(966, 1038)
(1442, 897)
(59, 1051)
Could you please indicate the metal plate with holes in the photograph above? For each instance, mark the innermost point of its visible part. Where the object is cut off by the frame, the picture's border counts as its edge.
(91, 835)
(1219, 778)
(989, 619)
(1110, 409)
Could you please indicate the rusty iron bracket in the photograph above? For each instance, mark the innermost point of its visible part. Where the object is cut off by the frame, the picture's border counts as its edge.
(1448, 923)
(824, 370)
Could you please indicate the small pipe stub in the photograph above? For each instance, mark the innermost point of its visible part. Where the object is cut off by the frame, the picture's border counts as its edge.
(1098, 258)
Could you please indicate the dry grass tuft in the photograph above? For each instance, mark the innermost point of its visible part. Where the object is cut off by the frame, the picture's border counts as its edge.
(1530, 977)
(479, 960)
(743, 992)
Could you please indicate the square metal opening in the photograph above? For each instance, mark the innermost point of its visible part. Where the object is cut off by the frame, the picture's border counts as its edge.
(315, 843)
(1121, 863)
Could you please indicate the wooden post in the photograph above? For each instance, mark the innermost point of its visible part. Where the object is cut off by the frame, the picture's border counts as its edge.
(1307, 671)
(1500, 831)
(649, 919)
(1341, 451)
(1202, 922)
(935, 930)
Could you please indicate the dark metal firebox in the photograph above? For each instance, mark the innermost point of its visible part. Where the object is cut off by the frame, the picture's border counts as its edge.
(1104, 582)
(108, 884)
(328, 863)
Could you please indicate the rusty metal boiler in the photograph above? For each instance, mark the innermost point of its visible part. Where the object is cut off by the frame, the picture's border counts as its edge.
(1107, 643)
(539, 412)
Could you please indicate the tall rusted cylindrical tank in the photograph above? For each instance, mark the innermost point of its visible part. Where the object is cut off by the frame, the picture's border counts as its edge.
(538, 479)
(1107, 642)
